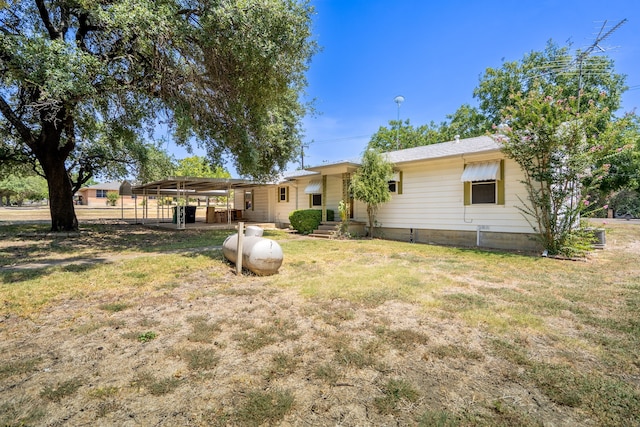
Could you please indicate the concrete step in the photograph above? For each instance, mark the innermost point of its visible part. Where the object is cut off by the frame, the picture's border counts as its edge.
(321, 236)
(327, 227)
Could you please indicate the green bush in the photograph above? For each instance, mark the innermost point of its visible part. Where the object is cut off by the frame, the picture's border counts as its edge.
(112, 198)
(307, 220)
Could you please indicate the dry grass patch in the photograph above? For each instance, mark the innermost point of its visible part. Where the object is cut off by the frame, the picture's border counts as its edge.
(455, 351)
(19, 367)
(348, 333)
(200, 359)
(20, 413)
(395, 393)
(203, 331)
(155, 386)
(262, 336)
(264, 407)
(57, 392)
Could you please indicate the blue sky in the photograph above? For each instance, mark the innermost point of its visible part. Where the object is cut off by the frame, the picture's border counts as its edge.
(433, 53)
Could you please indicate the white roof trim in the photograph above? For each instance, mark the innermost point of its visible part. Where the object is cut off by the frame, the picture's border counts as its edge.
(485, 171)
(314, 187)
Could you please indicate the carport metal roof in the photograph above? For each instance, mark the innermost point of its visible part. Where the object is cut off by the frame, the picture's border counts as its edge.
(186, 187)
(191, 186)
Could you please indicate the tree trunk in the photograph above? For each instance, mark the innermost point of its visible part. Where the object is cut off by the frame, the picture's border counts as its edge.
(371, 215)
(63, 215)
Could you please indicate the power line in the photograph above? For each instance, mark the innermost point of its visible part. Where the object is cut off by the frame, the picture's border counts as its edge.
(346, 138)
(569, 65)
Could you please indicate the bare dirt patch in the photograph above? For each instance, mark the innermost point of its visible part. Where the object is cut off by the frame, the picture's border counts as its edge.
(75, 339)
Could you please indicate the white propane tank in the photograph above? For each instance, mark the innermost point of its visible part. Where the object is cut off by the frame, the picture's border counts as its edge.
(260, 255)
(253, 230)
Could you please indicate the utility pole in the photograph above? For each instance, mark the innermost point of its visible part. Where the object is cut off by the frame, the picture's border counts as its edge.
(398, 100)
(302, 147)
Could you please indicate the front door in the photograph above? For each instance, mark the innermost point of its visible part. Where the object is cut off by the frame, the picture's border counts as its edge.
(346, 192)
(351, 203)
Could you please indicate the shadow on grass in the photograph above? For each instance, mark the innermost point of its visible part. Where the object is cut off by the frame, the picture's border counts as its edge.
(32, 241)
(32, 252)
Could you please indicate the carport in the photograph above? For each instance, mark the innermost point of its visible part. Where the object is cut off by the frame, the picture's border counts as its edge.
(185, 188)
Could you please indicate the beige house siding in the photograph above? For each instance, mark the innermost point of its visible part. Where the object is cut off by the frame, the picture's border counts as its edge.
(432, 198)
(263, 208)
(334, 194)
(429, 203)
(284, 207)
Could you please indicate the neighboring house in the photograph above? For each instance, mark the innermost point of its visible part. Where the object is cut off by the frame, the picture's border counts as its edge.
(463, 192)
(96, 195)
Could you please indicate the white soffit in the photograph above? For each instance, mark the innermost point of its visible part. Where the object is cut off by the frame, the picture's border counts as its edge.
(485, 171)
(314, 187)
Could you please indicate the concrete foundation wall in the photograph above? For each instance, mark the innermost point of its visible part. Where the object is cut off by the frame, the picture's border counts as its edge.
(488, 239)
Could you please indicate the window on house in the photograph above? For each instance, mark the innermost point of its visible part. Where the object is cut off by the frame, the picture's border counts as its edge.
(393, 186)
(283, 194)
(316, 200)
(101, 194)
(248, 200)
(483, 192)
(483, 183)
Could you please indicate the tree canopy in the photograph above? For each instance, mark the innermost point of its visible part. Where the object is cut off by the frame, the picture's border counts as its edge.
(466, 122)
(83, 82)
(18, 188)
(197, 166)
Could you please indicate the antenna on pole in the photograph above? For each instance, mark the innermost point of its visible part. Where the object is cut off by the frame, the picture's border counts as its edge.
(595, 45)
(576, 65)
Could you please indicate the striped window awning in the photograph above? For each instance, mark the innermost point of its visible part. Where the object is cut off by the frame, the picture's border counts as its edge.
(314, 187)
(485, 171)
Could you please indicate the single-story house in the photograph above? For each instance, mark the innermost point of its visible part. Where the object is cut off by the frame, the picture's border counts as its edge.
(96, 195)
(463, 192)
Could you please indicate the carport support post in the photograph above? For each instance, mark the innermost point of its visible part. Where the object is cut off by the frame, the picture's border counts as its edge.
(239, 248)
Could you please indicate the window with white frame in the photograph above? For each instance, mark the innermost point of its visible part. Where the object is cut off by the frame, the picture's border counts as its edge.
(248, 200)
(394, 183)
(316, 200)
(101, 194)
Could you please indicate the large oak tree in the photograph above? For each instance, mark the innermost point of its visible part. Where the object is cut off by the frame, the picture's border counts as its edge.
(82, 82)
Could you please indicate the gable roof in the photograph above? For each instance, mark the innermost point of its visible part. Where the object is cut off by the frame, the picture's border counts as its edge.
(297, 174)
(475, 145)
(114, 185)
